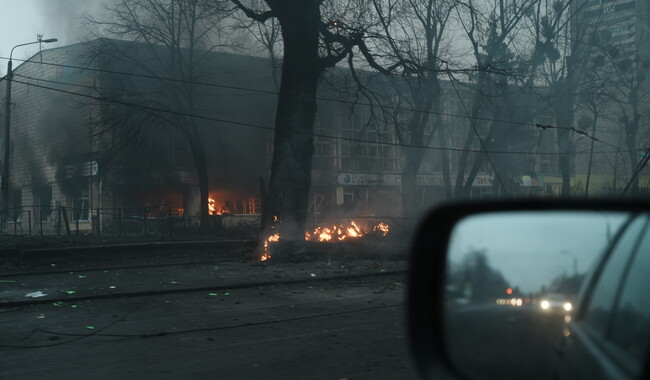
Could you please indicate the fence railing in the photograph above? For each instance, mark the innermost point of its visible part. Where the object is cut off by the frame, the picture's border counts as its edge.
(142, 221)
(163, 222)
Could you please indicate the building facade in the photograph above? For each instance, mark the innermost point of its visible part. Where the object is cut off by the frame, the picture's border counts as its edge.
(94, 137)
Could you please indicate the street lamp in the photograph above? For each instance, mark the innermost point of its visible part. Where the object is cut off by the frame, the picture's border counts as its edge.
(4, 193)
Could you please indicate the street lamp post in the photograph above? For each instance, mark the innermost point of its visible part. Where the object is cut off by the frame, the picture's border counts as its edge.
(4, 191)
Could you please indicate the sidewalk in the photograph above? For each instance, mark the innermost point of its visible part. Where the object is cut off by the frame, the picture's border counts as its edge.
(67, 289)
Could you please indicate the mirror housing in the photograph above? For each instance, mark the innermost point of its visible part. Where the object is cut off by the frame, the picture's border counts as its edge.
(427, 274)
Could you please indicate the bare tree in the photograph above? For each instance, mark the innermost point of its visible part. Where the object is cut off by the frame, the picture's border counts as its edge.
(268, 35)
(627, 89)
(174, 38)
(316, 35)
(493, 30)
(592, 102)
(412, 38)
(559, 37)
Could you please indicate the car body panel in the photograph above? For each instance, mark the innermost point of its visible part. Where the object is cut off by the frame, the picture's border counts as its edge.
(583, 353)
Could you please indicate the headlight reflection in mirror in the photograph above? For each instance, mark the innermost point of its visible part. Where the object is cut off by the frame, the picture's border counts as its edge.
(512, 277)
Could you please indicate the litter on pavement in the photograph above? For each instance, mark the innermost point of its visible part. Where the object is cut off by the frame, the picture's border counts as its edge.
(35, 294)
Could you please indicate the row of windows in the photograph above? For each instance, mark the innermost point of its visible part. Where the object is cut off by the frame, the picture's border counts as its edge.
(363, 156)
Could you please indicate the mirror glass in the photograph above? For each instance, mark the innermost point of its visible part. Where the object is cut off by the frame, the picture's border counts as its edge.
(512, 280)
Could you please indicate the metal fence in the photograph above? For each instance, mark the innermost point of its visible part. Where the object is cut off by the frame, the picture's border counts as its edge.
(145, 221)
(158, 222)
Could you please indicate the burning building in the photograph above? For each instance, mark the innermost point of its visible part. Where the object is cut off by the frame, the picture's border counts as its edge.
(94, 136)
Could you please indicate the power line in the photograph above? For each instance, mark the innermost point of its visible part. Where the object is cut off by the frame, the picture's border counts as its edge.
(271, 92)
(261, 127)
(95, 88)
(537, 125)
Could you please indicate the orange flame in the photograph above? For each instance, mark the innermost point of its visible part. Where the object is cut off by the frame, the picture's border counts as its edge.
(212, 207)
(340, 233)
(381, 227)
(329, 234)
(323, 234)
(272, 238)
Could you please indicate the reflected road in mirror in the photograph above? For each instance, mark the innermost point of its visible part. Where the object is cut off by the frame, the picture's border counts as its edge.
(511, 282)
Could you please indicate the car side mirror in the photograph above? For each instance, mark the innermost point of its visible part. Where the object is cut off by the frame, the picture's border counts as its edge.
(493, 284)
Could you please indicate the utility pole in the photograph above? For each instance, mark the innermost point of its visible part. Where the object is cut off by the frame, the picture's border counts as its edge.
(4, 186)
(4, 193)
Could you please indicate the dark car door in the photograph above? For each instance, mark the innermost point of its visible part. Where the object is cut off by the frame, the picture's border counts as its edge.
(608, 337)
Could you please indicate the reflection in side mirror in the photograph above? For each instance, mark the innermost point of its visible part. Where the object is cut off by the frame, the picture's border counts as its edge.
(511, 280)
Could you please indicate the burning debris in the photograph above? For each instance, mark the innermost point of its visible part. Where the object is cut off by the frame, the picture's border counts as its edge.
(330, 234)
(335, 233)
(273, 238)
(381, 227)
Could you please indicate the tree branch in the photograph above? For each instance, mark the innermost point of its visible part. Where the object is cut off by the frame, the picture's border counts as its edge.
(260, 17)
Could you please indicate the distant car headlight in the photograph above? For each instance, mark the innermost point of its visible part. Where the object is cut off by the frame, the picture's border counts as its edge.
(568, 306)
(545, 304)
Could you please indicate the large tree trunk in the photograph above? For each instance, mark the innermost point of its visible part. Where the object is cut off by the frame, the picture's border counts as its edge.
(564, 119)
(290, 180)
(591, 154)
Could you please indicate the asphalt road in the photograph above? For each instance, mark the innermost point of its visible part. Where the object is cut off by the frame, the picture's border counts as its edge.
(503, 342)
(335, 329)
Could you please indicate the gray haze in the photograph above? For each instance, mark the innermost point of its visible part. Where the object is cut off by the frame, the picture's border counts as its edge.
(24, 19)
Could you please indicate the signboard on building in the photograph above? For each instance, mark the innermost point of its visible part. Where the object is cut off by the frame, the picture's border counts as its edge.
(83, 169)
(375, 179)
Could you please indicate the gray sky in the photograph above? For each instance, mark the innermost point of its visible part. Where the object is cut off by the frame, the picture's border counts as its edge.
(530, 249)
(22, 20)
